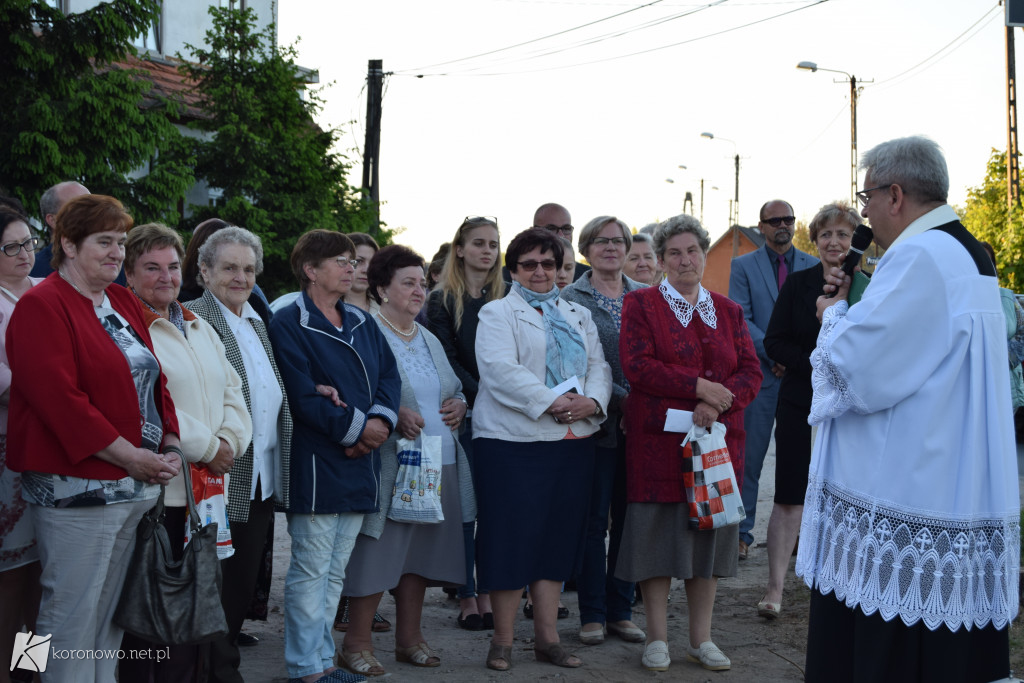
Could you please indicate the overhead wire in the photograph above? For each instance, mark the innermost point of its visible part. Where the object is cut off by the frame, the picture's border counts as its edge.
(535, 40)
(875, 86)
(546, 52)
(813, 3)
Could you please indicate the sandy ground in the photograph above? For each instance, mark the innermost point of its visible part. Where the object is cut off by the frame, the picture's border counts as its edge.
(759, 650)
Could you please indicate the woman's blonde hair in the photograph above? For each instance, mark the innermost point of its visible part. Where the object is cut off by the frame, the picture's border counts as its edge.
(453, 276)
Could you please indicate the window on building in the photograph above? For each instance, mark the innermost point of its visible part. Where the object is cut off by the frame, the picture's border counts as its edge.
(151, 39)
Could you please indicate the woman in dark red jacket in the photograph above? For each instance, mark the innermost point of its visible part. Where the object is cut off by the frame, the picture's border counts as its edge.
(95, 431)
(686, 348)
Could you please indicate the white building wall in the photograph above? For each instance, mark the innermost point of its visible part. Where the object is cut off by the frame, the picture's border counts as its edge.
(187, 21)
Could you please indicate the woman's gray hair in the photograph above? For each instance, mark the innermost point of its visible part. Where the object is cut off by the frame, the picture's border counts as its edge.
(677, 225)
(230, 235)
(914, 163)
(830, 213)
(643, 238)
(591, 230)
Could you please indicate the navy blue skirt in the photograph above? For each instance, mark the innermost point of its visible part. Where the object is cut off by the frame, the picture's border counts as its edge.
(532, 501)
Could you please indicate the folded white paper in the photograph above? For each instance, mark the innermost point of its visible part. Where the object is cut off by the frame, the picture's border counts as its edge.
(678, 420)
(571, 384)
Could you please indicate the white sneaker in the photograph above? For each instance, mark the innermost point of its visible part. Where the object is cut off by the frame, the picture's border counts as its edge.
(709, 656)
(656, 656)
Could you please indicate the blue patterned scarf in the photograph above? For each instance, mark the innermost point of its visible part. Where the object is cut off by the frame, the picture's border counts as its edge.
(566, 353)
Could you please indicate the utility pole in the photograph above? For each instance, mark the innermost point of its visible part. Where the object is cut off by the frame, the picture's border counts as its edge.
(1012, 168)
(853, 140)
(736, 202)
(702, 201)
(371, 149)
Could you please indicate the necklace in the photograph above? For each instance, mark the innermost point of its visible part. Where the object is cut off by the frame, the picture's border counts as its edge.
(60, 271)
(390, 324)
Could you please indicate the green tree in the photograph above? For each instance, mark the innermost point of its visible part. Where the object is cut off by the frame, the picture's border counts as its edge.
(802, 239)
(278, 170)
(72, 110)
(985, 214)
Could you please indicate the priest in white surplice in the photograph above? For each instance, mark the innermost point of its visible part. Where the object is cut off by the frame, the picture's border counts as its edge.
(910, 534)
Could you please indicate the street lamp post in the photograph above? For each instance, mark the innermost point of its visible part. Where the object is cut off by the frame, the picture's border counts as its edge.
(734, 214)
(854, 92)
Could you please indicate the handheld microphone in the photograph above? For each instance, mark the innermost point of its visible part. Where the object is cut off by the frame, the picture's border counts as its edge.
(862, 237)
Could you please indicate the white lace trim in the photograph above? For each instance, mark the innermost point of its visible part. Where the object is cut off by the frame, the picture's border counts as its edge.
(684, 309)
(832, 394)
(875, 557)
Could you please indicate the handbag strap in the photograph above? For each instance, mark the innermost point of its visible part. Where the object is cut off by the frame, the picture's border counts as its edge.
(190, 500)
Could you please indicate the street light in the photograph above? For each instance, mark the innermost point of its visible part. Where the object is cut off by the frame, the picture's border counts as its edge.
(736, 198)
(854, 91)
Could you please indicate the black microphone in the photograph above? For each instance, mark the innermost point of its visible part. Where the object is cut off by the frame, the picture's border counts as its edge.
(862, 237)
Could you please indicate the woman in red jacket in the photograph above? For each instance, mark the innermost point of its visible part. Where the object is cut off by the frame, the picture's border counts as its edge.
(686, 348)
(96, 432)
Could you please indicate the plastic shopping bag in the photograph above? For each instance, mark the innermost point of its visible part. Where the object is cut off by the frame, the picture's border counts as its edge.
(709, 480)
(416, 498)
(211, 501)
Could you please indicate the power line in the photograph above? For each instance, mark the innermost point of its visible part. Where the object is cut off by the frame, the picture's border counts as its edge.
(631, 54)
(546, 52)
(942, 49)
(534, 40)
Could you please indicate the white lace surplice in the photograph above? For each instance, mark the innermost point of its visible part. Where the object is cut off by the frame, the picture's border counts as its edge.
(912, 503)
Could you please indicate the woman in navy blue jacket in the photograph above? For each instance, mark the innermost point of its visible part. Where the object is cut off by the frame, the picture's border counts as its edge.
(344, 389)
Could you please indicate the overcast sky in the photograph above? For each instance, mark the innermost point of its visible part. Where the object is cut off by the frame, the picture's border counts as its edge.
(572, 118)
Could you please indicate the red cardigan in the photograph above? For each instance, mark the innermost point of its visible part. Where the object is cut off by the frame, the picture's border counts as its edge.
(662, 361)
(72, 392)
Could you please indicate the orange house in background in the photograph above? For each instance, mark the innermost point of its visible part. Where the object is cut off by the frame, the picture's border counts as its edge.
(735, 242)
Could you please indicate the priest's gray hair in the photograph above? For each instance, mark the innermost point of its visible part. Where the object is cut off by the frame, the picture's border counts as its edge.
(915, 163)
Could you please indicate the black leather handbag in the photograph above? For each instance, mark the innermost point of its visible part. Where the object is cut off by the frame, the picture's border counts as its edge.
(168, 602)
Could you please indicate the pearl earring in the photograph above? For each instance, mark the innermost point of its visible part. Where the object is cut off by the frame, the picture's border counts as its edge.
(385, 299)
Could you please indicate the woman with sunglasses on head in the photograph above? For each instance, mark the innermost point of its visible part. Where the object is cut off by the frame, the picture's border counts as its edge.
(543, 393)
(471, 277)
(19, 558)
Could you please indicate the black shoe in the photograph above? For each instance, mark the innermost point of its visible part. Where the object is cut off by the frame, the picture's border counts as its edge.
(471, 622)
(528, 611)
(488, 621)
(246, 640)
(563, 612)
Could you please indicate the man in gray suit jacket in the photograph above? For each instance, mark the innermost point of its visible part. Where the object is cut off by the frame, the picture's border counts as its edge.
(754, 284)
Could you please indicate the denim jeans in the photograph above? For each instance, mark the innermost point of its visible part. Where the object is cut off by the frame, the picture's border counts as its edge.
(321, 547)
(758, 421)
(468, 528)
(602, 597)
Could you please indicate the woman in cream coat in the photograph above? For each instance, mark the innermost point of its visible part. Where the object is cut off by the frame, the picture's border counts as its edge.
(207, 392)
(533, 439)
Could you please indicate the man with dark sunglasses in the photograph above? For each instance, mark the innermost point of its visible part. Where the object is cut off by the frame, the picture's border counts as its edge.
(754, 283)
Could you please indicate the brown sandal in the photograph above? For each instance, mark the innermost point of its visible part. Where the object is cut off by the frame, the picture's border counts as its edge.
(554, 653)
(499, 657)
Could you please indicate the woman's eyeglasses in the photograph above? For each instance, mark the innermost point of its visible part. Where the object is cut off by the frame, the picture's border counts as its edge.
(530, 266)
(602, 241)
(344, 262)
(14, 248)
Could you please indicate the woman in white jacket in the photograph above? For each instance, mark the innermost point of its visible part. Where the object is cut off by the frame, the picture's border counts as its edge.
(212, 415)
(544, 389)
